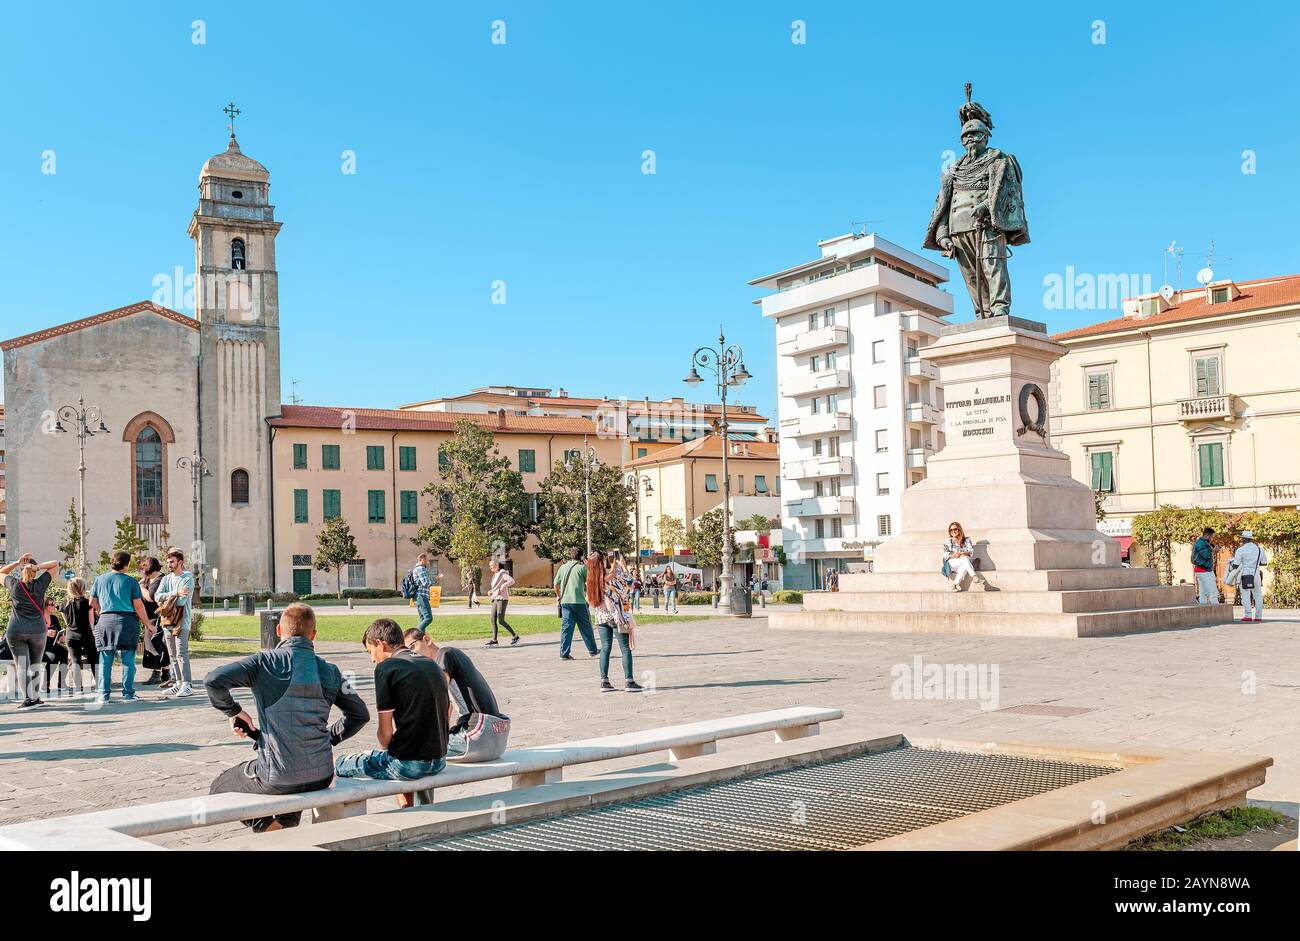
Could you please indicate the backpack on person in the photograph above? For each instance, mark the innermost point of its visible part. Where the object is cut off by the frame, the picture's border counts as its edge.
(409, 588)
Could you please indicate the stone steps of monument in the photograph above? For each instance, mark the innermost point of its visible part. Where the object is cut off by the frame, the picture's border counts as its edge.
(1093, 577)
(1074, 625)
(1003, 602)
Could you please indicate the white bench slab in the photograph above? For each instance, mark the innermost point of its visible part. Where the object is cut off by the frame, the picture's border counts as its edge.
(525, 767)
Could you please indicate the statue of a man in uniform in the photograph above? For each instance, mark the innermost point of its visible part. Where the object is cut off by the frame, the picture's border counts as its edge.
(980, 211)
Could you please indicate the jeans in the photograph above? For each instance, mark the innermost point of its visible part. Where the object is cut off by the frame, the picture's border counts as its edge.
(380, 764)
(670, 600)
(178, 648)
(27, 650)
(606, 642)
(423, 608)
(106, 658)
(636, 600)
(580, 615)
(499, 617)
(1207, 588)
(243, 779)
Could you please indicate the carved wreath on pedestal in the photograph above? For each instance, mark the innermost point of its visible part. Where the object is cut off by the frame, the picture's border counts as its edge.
(1037, 424)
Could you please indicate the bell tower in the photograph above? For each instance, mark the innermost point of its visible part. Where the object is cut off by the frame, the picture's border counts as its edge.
(237, 303)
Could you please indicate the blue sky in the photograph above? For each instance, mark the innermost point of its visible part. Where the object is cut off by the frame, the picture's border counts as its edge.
(522, 163)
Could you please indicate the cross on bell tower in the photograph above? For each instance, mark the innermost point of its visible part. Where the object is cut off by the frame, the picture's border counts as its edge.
(232, 112)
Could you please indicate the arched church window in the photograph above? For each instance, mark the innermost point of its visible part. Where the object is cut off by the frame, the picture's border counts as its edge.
(239, 488)
(237, 254)
(148, 475)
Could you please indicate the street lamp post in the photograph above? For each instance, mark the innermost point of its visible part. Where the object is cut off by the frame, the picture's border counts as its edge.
(728, 364)
(84, 416)
(198, 468)
(632, 482)
(589, 463)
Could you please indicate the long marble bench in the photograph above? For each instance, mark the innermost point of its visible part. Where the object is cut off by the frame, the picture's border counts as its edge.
(123, 828)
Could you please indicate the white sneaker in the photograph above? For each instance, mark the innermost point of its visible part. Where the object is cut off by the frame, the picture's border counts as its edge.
(185, 690)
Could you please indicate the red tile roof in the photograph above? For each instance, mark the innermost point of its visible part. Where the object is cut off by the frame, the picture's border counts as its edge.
(633, 406)
(106, 317)
(395, 419)
(709, 446)
(1255, 295)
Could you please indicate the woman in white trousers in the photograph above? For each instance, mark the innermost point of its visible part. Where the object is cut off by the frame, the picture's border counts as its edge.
(958, 558)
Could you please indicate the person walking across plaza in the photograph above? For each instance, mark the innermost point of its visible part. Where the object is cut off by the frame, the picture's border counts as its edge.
(294, 690)
(411, 696)
(499, 595)
(638, 586)
(608, 588)
(424, 580)
(56, 651)
(1207, 586)
(118, 608)
(958, 558)
(1249, 558)
(82, 651)
(670, 590)
(571, 591)
(26, 630)
(177, 592)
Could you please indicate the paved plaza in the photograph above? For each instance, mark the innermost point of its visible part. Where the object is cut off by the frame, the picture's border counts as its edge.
(1233, 688)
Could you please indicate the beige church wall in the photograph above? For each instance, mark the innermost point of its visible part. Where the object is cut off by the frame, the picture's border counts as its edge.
(139, 363)
(386, 547)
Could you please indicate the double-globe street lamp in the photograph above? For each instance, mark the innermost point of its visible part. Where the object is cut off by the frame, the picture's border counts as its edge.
(84, 417)
(632, 482)
(728, 365)
(590, 463)
(198, 468)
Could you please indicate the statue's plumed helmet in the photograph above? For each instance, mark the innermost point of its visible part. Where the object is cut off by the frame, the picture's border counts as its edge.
(974, 124)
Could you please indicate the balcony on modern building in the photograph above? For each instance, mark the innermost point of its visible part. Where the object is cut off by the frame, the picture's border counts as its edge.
(823, 292)
(817, 467)
(815, 383)
(920, 323)
(820, 506)
(915, 366)
(824, 423)
(923, 413)
(1206, 408)
(810, 341)
(916, 457)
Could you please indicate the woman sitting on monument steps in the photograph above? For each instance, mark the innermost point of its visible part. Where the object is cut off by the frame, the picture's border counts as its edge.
(958, 558)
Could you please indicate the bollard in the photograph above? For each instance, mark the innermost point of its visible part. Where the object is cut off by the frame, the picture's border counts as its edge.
(225, 604)
(349, 602)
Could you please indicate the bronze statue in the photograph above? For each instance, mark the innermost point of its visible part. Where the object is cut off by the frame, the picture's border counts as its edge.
(979, 213)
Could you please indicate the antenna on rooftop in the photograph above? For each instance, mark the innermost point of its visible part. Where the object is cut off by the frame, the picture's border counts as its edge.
(1177, 254)
(294, 397)
(864, 223)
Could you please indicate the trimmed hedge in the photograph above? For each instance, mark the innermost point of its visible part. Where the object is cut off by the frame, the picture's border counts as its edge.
(695, 597)
(533, 592)
(787, 596)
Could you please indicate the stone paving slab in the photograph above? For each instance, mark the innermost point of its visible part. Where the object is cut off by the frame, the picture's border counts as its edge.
(1233, 688)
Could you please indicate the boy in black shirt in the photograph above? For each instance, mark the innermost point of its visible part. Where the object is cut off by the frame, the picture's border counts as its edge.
(411, 696)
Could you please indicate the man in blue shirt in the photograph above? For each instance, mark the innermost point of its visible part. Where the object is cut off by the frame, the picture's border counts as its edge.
(423, 582)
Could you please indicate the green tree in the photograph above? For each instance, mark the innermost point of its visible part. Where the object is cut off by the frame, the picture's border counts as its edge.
(705, 539)
(758, 523)
(335, 548)
(71, 545)
(477, 487)
(672, 534)
(469, 547)
(562, 512)
(125, 539)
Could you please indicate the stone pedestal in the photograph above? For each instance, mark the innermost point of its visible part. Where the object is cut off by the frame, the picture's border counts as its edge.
(1045, 569)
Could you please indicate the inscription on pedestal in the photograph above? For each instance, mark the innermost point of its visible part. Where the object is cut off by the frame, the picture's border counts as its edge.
(977, 416)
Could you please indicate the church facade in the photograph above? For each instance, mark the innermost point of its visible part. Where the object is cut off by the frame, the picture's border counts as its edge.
(169, 386)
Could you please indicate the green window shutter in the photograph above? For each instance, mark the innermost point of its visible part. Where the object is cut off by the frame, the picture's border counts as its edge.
(1099, 390)
(442, 459)
(331, 505)
(300, 506)
(376, 501)
(329, 456)
(1103, 471)
(527, 461)
(374, 457)
(1211, 464)
(299, 457)
(406, 458)
(711, 483)
(410, 505)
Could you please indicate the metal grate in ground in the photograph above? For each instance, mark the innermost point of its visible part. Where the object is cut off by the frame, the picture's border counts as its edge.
(833, 805)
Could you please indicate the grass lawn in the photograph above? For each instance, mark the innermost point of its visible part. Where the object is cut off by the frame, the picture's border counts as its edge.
(350, 627)
(1216, 826)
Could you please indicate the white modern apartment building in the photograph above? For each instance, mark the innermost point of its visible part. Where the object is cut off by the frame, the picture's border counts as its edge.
(859, 410)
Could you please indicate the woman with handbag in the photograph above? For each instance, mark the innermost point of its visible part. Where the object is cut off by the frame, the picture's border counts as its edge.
(80, 635)
(155, 650)
(608, 588)
(27, 624)
(958, 558)
(499, 594)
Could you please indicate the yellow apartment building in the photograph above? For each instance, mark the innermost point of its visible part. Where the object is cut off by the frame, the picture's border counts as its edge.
(369, 466)
(1192, 400)
(685, 482)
